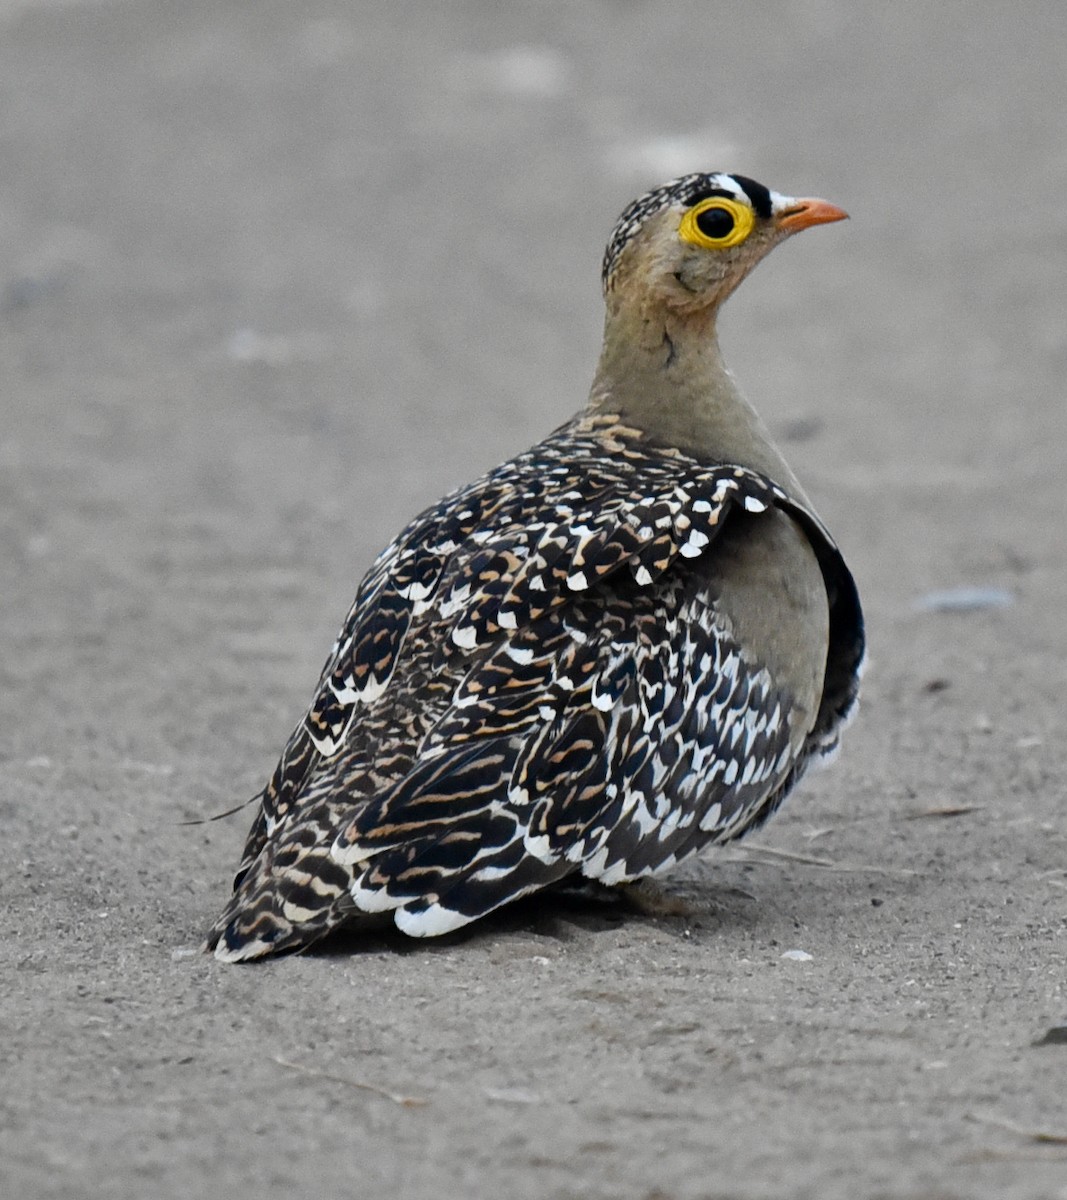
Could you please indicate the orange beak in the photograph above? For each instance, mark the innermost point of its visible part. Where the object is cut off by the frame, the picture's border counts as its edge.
(802, 214)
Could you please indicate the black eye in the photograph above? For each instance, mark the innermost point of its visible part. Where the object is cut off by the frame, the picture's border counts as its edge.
(715, 222)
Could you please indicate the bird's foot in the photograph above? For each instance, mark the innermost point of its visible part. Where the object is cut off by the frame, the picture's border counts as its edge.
(650, 898)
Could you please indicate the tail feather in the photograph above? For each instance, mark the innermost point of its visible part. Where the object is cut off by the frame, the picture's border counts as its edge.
(286, 900)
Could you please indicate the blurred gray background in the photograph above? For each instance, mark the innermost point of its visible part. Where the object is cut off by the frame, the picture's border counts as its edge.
(274, 276)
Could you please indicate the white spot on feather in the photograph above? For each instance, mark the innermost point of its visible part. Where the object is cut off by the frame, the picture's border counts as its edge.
(326, 746)
(646, 822)
(372, 899)
(538, 846)
(455, 601)
(350, 854)
(253, 949)
(367, 694)
(489, 873)
(593, 867)
(712, 817)
(465, 637)
(297, 914)
(430, 922)
(616, 873)
(415, 591)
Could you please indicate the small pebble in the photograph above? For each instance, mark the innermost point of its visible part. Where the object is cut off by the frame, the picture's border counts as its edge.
(965, 599)
(1056, 1036)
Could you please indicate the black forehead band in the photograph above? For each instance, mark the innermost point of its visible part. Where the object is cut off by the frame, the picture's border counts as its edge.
(757, 193)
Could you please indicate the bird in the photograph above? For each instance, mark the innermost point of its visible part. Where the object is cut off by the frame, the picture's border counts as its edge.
(621, 646)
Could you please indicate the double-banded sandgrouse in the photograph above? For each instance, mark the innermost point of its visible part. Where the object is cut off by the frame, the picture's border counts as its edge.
(622, 645)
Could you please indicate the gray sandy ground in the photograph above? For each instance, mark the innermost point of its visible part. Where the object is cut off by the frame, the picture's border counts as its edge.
(272, 277)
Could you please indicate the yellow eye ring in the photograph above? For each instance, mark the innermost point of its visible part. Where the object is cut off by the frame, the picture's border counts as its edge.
(701, 224)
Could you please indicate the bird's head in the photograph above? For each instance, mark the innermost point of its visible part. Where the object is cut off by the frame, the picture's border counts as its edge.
(689, 243)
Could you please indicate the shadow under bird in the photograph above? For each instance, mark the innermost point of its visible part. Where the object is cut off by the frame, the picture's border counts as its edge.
(623, 645)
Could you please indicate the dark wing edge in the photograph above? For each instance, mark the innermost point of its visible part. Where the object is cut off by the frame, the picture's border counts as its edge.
(847, 651)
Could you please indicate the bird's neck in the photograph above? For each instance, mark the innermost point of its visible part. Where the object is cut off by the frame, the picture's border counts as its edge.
(661, 371)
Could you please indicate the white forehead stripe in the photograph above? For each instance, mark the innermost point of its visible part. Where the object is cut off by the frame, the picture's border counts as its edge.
(727, 183)
(780, 203)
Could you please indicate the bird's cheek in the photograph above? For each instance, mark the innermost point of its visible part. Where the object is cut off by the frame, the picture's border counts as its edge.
(690, 274)
(694, 277)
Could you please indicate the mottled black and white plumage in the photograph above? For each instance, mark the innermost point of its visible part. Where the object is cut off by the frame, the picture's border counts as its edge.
(582, 664)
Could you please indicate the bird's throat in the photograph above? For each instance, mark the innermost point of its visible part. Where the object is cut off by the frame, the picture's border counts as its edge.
(662, 372)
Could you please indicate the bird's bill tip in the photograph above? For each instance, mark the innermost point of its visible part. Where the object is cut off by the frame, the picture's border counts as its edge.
(803, 213)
